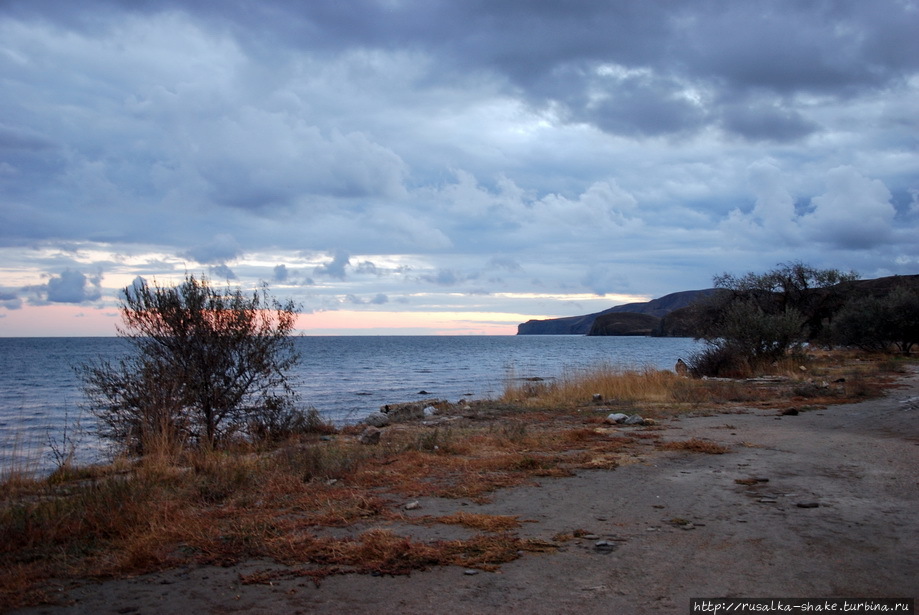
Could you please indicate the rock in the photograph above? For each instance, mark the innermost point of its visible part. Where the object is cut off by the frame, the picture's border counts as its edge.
(377, 419)
(617, 417)
(808, 505)
(790, 412)
(605, 546)
(470, 572)
(410, 411)
(413, 505)
(371, 435)
(633, 420)
(429, 410)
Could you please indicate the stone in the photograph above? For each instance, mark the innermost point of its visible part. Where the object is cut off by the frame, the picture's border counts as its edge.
(470, 572)
(633, 420)
(605, 546)
(371, 435)
(808, 505)
(790, 412)
(413, 505)
(617, 417)
(377, 419)
(429, 410)
(410, 411)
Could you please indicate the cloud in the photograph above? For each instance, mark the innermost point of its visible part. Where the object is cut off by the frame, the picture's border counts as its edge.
(550, 146)
(223, 272)
(336, 267)
(378, 299)
(367, 267)
(643, 105)
(602, 279)
(280, 273)
(444, 277)
(504, 262)
(854, 213)
(72, 287)
(220, 249)
(759, 121)
(10, 300)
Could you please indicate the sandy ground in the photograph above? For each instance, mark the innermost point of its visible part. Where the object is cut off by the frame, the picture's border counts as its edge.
(834, 515)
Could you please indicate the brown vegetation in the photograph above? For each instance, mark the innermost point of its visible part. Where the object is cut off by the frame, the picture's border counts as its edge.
(176, 507)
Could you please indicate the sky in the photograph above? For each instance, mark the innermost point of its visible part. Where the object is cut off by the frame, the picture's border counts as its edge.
(447, 166)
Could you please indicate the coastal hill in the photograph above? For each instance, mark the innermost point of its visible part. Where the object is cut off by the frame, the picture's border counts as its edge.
(668, 316)
(618, 320)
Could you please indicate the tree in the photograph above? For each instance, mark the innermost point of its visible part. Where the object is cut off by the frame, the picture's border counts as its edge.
(745, 338)
(879, 323)
(758, 318)
(789, 285)
(206, 364)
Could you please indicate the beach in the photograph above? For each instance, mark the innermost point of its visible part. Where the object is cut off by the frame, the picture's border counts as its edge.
(814, 505)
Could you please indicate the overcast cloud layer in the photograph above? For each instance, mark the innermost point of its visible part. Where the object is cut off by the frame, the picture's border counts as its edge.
(509, 159)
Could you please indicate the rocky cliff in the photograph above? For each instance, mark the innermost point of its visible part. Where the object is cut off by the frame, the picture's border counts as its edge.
(581, 325)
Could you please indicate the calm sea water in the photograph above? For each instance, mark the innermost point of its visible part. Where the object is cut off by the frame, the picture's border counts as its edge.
(344, 377)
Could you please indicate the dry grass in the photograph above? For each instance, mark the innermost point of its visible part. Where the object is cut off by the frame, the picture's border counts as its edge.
(483, 523)
(178, 508)
(695, 445)
(574, 388)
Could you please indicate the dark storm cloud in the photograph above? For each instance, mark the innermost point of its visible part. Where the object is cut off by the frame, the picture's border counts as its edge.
(550, 50)
(765, 122)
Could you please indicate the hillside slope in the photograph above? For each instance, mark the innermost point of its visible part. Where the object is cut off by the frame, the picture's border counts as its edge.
(581, 325)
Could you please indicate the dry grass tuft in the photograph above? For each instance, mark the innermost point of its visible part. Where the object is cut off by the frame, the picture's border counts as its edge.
(484, 523)
(695, 445)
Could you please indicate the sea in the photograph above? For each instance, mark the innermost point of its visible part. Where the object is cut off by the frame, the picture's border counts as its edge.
(43, 414)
